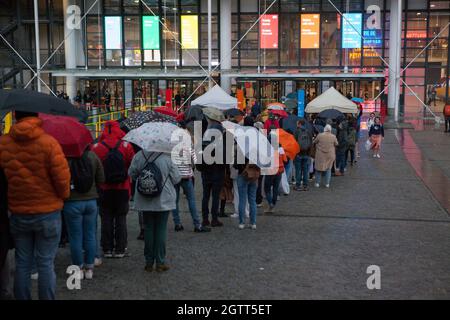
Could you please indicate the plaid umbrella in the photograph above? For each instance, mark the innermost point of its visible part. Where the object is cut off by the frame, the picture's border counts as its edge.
(137, 119)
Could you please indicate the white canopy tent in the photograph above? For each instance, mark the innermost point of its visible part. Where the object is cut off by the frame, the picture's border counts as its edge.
(331, 99)
(216, 97)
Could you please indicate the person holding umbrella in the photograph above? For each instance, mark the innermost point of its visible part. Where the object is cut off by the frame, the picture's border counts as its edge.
(156, 176)
(213, 174)
(80, 209)
(38, 182)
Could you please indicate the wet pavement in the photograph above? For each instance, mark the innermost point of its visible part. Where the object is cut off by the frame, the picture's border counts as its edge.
(317, 245)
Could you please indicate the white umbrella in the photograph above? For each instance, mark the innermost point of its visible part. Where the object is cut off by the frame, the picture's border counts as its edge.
(253, 144)
(157, 136)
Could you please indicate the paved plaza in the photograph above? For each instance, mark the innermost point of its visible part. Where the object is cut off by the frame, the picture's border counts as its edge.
(317, 245)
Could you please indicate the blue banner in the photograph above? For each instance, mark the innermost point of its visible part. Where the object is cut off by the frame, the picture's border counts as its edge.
(351, 30)
(301, 103)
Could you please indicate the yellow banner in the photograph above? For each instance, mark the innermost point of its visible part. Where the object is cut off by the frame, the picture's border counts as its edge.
(189, 31)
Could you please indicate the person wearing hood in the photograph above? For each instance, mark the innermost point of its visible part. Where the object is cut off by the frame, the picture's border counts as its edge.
(38, 182)
(116, 156)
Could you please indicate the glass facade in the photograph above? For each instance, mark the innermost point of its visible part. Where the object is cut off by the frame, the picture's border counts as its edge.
(310, 37)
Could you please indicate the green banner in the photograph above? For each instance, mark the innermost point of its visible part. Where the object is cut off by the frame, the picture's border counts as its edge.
(150, 32)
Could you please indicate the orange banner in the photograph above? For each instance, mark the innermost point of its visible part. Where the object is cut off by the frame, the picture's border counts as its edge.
(240, 98)
(309, 31)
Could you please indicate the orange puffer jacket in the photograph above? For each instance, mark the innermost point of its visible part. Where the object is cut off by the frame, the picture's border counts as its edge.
(36, 168)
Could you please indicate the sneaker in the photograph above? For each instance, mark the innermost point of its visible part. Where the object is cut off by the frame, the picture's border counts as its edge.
(317, 185)
(119, 255)
(259, 205)
(296, 188)
(98, 262)
(202, 229)
(272, 208)
(241, 226)
(179, 227)
(253, 227)
(234, 215)
(327, 186)
(34, 276)
(216, 223)
(89, 274)
(374, 155)
(148, 268)
(378, 156)
(268, 209)
(81, 275)
(162, 268)
(305, 188)
(108, 254)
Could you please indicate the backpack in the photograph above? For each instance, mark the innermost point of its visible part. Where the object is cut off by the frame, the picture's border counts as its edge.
(251, 172)
(81, 173)
(114, 165)
(351, 138)
(150, 180)
(447, 110)
(304, 140)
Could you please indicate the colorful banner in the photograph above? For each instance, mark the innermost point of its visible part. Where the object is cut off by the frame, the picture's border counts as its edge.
(189, 32)
(351, 38)
(268, 31)
(150, 32)
(309, 31)
(301, 103)
(113, 33)
(240, 98)
(168, 98)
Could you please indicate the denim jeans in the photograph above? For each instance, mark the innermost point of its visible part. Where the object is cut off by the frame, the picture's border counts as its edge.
(247, 194)
(340, 161)
(302, 163)
(188, 188)
(271, 186)
(35, 235)
(81, 221)
(288, 169)
(155, 237)
(327, 176)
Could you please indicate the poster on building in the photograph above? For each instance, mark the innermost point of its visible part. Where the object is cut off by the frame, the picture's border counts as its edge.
(309, 31)
(351, 30)
(301, 103)
(189, 31)
(240, 99)
(113, 33)
(372, 38)
(268, 31)
(150, 32)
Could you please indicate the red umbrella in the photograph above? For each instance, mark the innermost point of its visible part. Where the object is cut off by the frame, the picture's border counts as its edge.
(73, 136)
(167, 111)
(280, 113)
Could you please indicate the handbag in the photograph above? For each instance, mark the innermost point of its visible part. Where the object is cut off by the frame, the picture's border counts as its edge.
(368, 145)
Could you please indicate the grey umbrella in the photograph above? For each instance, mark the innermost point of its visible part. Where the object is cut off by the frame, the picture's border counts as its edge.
(33, 101)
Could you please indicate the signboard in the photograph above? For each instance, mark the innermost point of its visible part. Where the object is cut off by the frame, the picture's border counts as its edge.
(351, 38)
(189, 32)
(113, 32)
(372, 38)
(309, 31)
(301, 103)
(268, 31)
(150, 32)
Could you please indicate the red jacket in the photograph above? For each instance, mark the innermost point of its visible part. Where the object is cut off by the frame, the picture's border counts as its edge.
(110, 136)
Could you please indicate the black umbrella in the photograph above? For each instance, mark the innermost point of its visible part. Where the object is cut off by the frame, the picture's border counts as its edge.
(331, 114)
(194, 113)
(33, 101)
(137, 119)
(233, 113)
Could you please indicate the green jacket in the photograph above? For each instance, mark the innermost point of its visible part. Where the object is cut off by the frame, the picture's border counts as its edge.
(99, 178)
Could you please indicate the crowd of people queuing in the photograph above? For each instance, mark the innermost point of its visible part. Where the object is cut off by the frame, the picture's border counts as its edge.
(42, 186)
